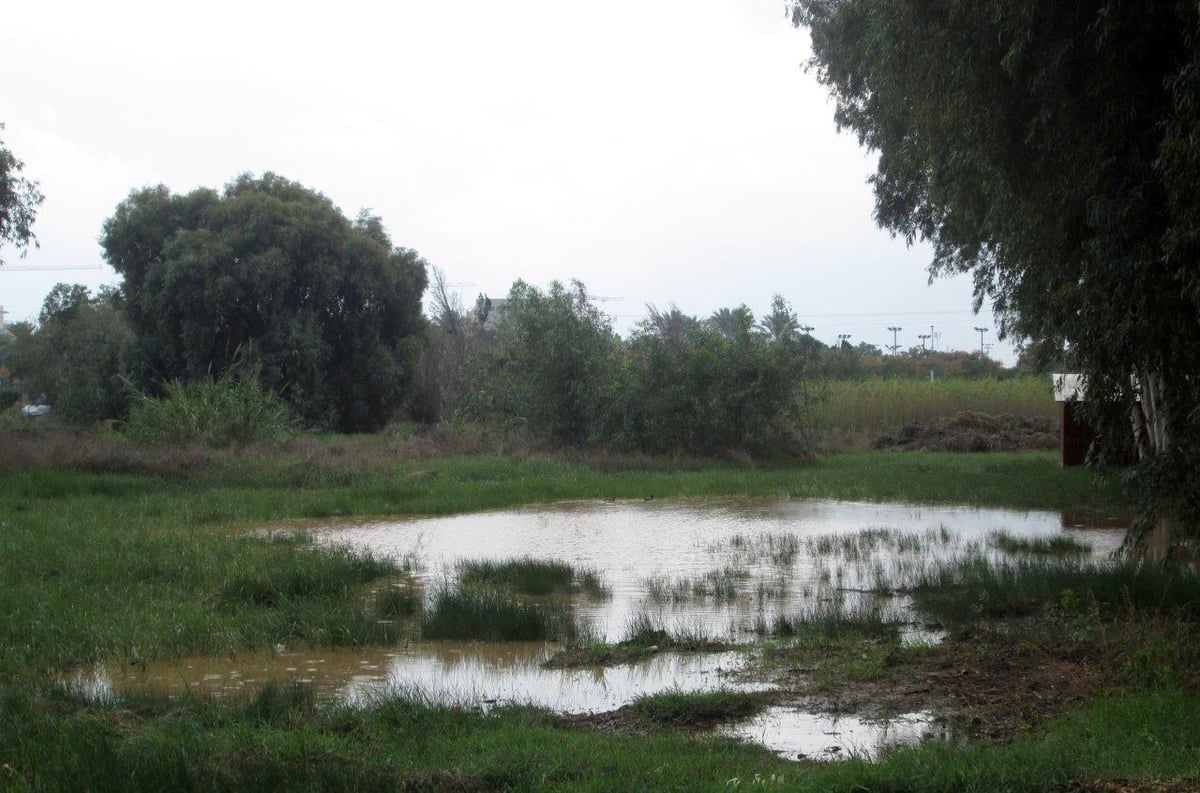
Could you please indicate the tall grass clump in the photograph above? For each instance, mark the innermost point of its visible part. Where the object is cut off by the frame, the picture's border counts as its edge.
(489, 615)
(335, 572)
(533, 577)
(974, 588)
(225, 411)
(1057, 545)
(828, 619)
(676, 708)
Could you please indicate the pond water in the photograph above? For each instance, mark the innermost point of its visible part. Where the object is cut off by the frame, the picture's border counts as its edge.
(712, 566)
(717, 568)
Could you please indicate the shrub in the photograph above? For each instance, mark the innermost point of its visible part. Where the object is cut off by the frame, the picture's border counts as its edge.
(222, 412)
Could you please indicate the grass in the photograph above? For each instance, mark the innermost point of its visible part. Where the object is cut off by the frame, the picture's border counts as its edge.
(974, 588)
(533, 577)
(887, 405)
(474, 613)
(136, 553)
(1057, 545)
(829, 619)
(695, 709)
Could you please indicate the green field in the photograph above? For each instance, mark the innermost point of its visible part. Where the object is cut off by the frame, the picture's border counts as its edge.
(886, 405)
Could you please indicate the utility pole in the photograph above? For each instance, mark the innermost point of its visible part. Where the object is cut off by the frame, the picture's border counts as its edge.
(843, 339)
(895, 344)
(981, 331)
(806, 329)
(924, 337)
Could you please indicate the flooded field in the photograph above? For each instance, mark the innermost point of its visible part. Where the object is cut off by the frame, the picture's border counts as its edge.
(724, 571)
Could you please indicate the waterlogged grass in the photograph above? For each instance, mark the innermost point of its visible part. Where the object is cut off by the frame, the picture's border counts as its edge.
(695, 709)
(829, 620)
(1038, 546)
(723, 584)
(144, 557)
(974, 588)
(533, 577)
(473, 613)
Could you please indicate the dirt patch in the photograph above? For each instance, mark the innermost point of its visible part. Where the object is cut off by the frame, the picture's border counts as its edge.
(969, 431)
(989, 684)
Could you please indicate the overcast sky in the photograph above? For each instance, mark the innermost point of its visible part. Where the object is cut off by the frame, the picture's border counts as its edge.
(659, 152)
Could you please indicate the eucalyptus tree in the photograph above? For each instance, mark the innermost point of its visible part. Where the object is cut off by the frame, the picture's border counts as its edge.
(1049, 150)
(19, 201)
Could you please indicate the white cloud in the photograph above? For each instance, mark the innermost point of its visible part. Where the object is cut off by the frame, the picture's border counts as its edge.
(658, 152)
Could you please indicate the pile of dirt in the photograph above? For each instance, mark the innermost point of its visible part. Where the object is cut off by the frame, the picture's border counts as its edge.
(969, 431)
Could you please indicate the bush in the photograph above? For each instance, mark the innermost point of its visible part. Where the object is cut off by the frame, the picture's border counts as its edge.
(222, 412)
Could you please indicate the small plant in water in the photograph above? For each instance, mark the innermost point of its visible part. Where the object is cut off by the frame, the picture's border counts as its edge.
(533, 577)
(1038, 546)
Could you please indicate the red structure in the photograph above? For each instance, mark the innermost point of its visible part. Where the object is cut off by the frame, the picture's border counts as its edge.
(1076, 436)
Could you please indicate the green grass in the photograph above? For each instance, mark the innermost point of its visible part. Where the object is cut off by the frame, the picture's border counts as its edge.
(969, 589)
(694, 709)
(470, 613)
(1038, 546)
(136, 554)
(533, 577)
(887, 405)
(828, 620)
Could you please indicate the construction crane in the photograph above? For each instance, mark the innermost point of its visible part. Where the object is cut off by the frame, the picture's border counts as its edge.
(28, 267)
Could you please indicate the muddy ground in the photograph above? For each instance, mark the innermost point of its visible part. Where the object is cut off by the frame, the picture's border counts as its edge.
(988, 684)
(969, 431)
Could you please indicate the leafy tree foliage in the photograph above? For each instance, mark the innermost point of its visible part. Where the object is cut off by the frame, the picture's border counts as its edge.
(19, 201)
(553, 364)
(1050, 150)
(721, 385)
(79, 355)
(325, 308)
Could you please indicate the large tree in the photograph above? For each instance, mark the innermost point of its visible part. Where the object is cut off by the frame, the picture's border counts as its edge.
(270, 272)
(19, 201)
(1050, 149)
(78, 357)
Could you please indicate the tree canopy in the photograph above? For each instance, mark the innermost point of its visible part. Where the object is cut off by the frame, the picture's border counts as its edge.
(272, 273)
(19, 201)
(1050, 149)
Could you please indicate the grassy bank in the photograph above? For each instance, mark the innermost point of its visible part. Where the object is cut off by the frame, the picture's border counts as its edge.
(149, 559)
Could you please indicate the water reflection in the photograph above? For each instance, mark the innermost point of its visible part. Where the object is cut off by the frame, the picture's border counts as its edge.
(719, 567)
(450, 673)
(797, 735)
(714, 568)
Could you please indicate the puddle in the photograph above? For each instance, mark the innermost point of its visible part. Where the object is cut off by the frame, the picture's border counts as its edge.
(797, 735)
(448, 673)
(713, 568)
(719, 567)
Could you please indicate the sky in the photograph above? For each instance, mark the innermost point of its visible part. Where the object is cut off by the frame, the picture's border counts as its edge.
(661, 153)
